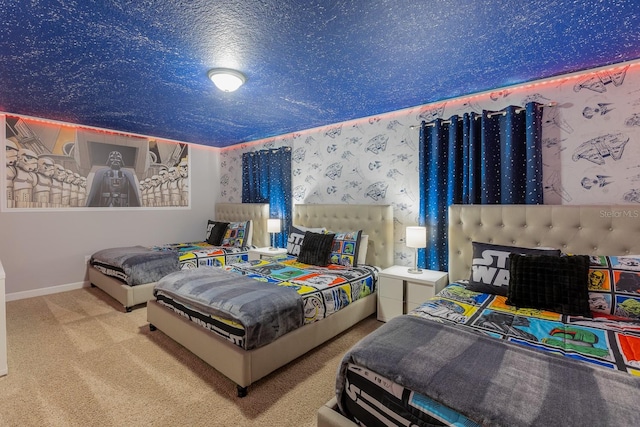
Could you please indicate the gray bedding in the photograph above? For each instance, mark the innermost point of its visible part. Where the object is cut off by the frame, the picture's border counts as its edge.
(494, 382)
(265, 310)
(136, 265)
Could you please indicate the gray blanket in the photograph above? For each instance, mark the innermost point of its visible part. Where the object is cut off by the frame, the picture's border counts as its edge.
(266, 310)
(136, 264)
(495, 382)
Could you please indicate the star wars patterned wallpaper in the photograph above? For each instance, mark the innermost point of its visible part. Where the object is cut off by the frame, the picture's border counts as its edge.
(591, 148)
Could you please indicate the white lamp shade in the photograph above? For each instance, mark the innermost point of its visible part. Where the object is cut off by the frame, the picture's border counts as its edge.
(416, 237)
(273, 225)
(226, 80)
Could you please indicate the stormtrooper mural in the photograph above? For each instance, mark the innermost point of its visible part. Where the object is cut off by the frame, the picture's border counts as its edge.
(46, 170)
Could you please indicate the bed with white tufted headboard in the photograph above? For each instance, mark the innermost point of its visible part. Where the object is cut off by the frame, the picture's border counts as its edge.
(583, 393)
(131, 296)
(244, 367)
(589, 230)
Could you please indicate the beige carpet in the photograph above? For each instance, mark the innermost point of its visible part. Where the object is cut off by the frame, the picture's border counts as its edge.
(77, 359)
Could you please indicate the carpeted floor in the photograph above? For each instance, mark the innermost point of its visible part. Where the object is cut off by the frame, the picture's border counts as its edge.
(77, 359)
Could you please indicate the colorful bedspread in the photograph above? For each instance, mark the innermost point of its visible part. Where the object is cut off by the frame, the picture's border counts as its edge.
(198, 254)
(325, 290)
(467, 358)
(136, 265)
(606, 340)
(322, 290)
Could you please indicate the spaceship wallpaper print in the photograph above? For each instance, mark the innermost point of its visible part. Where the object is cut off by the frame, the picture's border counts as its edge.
(50, 165)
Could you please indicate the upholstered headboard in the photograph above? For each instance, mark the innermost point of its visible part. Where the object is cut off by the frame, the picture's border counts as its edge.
(588, 230)
(376, 221)
(257, 212)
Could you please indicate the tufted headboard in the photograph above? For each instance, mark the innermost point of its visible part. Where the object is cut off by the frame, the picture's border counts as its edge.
(588, 230)
(257, 212)
(374, 220)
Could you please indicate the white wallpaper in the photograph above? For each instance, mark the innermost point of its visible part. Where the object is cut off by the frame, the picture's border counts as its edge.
(591, 148)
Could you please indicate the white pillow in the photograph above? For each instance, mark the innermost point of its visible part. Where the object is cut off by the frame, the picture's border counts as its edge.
(362, 251)
(248, 241)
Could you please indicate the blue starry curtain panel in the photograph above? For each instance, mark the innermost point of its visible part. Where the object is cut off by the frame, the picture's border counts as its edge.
(488, 158)
(266, 178)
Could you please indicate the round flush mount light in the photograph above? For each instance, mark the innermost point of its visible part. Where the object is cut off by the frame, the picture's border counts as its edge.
(226, 79)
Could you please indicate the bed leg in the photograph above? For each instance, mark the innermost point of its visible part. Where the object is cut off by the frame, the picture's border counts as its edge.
(92, 285)
(242, 391)
(127, 309)
(152, 327)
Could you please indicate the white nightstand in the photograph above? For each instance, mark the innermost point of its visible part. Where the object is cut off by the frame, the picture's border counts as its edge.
(266, 252)
(400, 291)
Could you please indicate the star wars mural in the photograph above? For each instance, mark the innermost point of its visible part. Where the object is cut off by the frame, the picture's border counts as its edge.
(591, 148)
(49, 167)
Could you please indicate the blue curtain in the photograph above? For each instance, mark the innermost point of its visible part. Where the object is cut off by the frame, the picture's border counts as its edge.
(488, 158)
(266, 178)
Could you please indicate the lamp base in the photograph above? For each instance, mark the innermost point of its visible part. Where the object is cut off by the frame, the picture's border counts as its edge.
(414, 270)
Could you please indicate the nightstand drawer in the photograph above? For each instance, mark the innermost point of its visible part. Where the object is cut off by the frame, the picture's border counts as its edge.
(389, 308)
(390, 287)
(419, 292)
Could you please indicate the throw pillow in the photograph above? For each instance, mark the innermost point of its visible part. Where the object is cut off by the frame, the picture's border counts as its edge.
(296, 236)
(362, 252)
(236, 234)
(490, 266)
(345, 248)
(614, 285)
(316, 248)
(216, 232)
(547, 282)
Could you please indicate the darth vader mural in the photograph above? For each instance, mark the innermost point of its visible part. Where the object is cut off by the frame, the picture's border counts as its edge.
(49, 166)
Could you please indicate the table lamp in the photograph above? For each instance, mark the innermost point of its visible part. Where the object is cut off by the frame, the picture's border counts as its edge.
(273, 226)
(416, 237)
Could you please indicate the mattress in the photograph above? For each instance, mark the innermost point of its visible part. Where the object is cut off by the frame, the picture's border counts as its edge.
(321, 291)
(605, 346)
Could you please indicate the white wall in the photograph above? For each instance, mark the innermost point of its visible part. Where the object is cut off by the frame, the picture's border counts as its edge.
(41, 250)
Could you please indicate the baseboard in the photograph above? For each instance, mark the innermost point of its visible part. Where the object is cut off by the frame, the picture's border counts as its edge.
(47, 291)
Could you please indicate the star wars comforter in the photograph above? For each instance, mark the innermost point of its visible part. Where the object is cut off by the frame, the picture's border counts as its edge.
(136, 265)
(467, 358)
(318, 292)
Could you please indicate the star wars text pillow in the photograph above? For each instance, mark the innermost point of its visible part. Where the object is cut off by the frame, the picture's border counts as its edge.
(490, 266)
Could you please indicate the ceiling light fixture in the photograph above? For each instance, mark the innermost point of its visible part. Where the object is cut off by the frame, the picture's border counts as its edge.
(226, 79)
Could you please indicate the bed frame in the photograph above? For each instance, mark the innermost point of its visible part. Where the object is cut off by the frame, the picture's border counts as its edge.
(130, 296)
(246, 367)
(587, 230)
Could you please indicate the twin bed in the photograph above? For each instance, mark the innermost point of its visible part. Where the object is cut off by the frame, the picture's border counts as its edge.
(132, 284)
(469, 358)
(349, 298)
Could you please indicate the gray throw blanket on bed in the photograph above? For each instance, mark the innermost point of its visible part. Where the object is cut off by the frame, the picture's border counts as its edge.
(265, 310)
(136, 264)
(494, 382)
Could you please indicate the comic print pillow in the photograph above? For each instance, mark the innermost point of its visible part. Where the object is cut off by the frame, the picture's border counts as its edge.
(345, 248)
(237, 234)
(614, 285)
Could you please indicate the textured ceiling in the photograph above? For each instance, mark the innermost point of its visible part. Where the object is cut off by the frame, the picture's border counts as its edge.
(141, 66)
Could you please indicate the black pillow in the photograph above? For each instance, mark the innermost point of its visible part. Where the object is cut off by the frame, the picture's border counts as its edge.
(490, 266)
(217, 232)
(316, 248)
(559, 284)
(296, 237)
